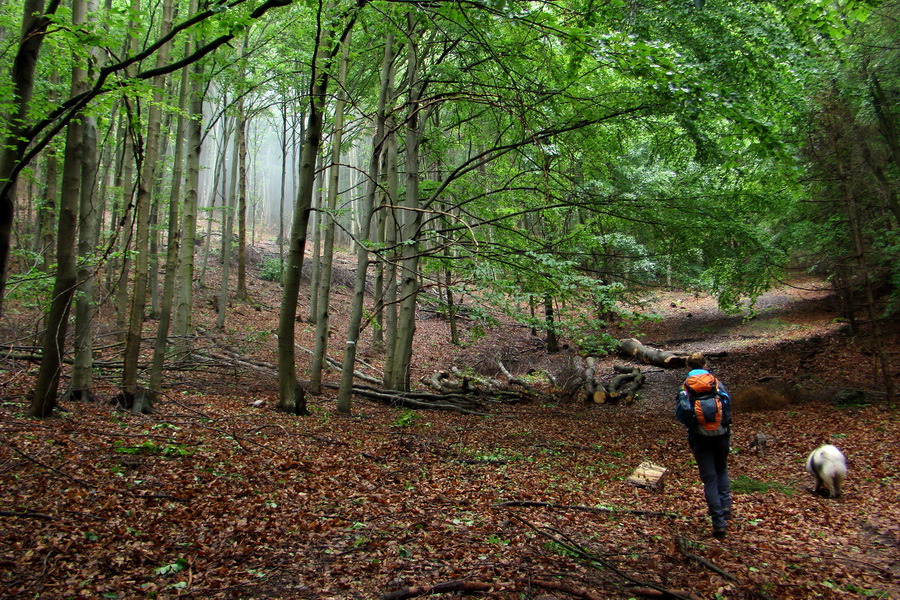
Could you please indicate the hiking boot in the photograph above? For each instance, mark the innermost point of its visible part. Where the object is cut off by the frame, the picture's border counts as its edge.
(719, 533)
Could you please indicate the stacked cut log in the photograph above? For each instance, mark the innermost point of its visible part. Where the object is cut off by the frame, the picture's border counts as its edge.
(593, 388)
(625, 385)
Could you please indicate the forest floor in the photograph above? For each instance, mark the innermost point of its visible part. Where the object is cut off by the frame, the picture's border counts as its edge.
(219, 495)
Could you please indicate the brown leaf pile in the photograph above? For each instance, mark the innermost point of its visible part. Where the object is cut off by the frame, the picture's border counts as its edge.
(212, 497)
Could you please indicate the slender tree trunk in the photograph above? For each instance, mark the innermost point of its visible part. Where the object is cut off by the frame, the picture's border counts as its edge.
(451, 308)
(345, 393)
(35, 20)
(185, 284)
(155, 208)
(46, 229)
(130, 124)
(412, 221)
(390, 241)
(241, 292)
(173, 237)
(46, 386)
(549, 320)
(317, 216)
(324, 291)
(228, 203)
(284, 155)
(218, 178)
(142, 241)
(291, 395)
(122, 274)
(89, 224)
(378, 316)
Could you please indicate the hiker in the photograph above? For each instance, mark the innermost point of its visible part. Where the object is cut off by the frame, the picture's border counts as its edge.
(703, 406)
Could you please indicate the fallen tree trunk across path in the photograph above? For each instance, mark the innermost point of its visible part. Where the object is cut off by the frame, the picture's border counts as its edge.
(634, 349)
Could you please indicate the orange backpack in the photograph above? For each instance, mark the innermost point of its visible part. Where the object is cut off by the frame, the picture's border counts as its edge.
(710, 411)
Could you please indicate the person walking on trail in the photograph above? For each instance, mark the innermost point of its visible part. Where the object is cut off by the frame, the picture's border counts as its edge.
(703, 406)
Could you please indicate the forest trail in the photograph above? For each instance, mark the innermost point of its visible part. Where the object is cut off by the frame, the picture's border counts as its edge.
(214, 497)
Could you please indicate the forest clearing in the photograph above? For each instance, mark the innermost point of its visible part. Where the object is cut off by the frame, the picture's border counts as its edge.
(217, 496)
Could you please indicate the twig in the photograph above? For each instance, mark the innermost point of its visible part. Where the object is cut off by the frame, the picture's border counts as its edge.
(48, 467)
(592, 559)
(591, 509)
(440, 588)
(566, 589)
(26, 514)
(682, 546)
(854, 560)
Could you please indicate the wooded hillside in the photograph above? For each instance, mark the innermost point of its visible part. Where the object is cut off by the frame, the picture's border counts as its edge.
(548, 159)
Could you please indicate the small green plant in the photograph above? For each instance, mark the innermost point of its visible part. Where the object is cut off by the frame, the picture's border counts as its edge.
(558, 548)
(172, 568)
(745, 485)
(271, 270)
(148, 447)
(494, 539)
(407, 418)
(179, 450)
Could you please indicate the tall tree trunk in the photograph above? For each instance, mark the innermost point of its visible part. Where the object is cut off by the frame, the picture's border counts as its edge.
(550, 324)
(45, 231)
(90, 215)
(218, 178)
(89, 223)
(155, 209)
(412, 220)
(291, 395)
(391, 228)
(122, 270)
(324, 291)
(345, 393)
(130, 123)
(228, 203)
(317, 217)
(142, 240)
(451, 307)
(185, 284)
(242, 211)
(173, 237)
(35, 20)
(46, 386)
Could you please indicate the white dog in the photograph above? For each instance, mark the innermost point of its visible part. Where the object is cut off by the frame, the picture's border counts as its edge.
(829, 467)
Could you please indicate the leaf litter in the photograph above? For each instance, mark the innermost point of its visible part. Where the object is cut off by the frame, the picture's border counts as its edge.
(212, 497)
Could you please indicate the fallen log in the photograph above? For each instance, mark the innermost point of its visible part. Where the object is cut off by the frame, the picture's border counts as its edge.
(439, 588)
(571, 590)
(635, 350)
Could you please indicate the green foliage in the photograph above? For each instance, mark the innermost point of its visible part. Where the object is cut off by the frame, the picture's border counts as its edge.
(407, 418)
(271, 270)
(746, 485)
(172, 568)
(34, 286)
(151, 447)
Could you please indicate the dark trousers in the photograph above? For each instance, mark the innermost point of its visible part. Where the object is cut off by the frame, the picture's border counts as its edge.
(711, 454)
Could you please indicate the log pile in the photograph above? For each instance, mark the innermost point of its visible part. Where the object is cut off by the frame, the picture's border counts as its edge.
(623, 386)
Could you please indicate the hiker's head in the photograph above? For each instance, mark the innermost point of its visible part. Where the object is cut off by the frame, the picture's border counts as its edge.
(696, 360)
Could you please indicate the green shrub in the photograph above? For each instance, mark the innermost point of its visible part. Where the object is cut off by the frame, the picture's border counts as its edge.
(271, 270)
